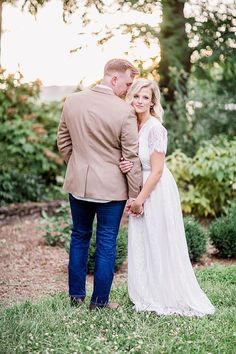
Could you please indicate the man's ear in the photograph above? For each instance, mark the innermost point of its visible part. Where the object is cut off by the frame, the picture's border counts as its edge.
(114, 80)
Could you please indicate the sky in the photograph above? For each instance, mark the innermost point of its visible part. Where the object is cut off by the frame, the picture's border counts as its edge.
(40, 47)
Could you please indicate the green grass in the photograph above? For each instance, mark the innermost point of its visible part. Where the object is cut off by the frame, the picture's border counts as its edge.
(52, 326)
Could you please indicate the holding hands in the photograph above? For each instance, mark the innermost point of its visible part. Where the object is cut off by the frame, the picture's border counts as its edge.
(133, 206)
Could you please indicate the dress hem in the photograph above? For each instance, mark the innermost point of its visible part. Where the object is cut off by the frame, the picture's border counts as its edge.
(188, 312)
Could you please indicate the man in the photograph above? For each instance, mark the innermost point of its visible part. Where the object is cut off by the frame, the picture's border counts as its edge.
(97, 128)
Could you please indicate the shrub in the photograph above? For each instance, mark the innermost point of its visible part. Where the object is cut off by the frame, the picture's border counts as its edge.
(27, 140)
(206, 181)
(223, 234)
(57, 228)
(196, 238)
(20, 187)
(207, 109)
(57, 232)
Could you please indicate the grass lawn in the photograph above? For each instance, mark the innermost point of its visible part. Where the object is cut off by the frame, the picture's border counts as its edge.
(52, 326)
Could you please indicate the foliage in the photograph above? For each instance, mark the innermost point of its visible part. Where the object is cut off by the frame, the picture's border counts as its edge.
(223, 234)
(199, 115)
(197, 77)
(19, 187)
(33, 6)
(57, 228)
(52, 325)
(212, 37)
(196, 238)
(57, 232)
(176, 117)
(27, 140)
(210, 112)
(206, 181)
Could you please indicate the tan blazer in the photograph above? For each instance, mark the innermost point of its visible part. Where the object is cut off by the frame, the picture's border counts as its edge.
(95, 130)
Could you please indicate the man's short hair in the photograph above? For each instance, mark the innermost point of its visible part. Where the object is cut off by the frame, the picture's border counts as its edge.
(120, 65)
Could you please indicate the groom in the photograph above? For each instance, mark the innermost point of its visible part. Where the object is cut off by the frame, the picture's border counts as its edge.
(97, 128)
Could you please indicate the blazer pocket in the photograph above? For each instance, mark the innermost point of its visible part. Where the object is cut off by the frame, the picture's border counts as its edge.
(82, 179)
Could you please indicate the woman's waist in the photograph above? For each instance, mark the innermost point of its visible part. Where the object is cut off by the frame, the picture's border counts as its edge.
(147, 169)
(146, 172)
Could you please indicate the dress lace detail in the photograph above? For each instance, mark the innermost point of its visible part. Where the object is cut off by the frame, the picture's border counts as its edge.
(169, 311)
(160, 275)
(157, 139)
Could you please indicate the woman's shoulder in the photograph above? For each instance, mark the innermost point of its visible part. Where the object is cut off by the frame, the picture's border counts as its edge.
(156, 125)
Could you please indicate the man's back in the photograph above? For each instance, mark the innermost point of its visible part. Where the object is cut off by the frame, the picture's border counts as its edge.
(96, 129)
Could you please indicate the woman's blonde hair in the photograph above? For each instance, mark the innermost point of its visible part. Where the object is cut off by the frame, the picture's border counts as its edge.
(156, 110)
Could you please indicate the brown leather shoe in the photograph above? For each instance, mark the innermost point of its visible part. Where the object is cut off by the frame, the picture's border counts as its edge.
(111, 306)
(76, 301)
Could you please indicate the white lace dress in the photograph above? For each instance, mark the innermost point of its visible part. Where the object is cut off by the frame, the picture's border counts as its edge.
(160, 275)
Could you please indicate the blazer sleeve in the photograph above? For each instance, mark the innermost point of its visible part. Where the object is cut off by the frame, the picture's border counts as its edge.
(64, 141)
(129, 146)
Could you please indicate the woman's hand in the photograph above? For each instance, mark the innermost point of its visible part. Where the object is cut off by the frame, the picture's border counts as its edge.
(125, 165)
(135, 208)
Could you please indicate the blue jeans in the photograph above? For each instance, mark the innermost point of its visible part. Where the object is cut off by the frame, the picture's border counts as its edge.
(108, 222)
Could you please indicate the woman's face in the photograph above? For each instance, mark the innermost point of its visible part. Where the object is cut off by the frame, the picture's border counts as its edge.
(142, 100)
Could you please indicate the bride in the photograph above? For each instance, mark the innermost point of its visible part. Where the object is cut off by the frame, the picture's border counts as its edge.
(160, 275)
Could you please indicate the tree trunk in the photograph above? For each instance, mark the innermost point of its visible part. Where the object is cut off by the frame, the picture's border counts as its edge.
(174, 46)
(1, 1)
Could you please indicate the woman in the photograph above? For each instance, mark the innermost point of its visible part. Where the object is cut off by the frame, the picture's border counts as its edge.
(160, 275)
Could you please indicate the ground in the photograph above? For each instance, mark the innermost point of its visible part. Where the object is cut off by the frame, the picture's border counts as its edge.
(31, 269)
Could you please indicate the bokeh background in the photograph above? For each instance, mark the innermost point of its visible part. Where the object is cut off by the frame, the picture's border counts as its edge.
(52, 48)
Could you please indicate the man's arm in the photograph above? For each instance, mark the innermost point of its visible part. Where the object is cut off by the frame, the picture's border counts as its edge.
(129, 144)
(64, 142)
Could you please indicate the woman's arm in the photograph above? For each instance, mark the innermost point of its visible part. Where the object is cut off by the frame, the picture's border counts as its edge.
(157, 160)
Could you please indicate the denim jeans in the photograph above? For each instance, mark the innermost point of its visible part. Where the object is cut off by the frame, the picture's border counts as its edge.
(108, 221)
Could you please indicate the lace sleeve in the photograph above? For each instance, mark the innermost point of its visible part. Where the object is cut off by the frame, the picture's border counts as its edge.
(157, 139)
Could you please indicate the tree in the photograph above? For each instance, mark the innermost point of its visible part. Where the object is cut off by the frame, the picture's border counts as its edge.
(213, 25)
(172, 29)
(212, 37)
(175, 51)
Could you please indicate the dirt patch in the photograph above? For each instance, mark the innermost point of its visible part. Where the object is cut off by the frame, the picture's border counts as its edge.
(30, 269)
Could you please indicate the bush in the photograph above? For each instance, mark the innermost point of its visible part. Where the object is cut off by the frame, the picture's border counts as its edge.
(206, 181)
(57, 228)
(223, 234)
(20, 187)
(196, 238)
(57, 232)
(201, 110)
(27, 141)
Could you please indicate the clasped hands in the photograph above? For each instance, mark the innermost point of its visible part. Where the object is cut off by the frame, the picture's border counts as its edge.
(134, 208)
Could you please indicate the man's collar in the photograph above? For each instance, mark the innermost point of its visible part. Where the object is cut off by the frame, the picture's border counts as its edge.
(104, 86)
(103, 89)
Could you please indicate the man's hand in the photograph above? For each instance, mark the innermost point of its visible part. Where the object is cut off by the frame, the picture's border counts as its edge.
(134, 207)
(129, 202)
